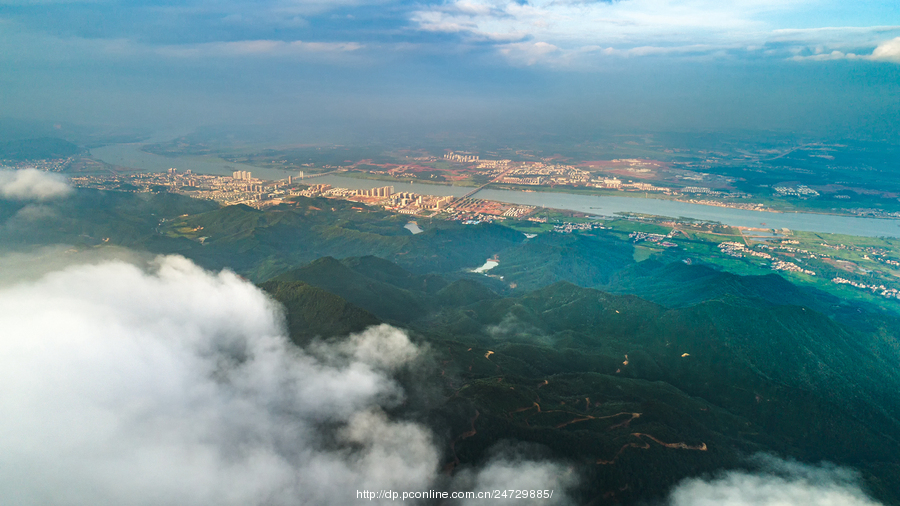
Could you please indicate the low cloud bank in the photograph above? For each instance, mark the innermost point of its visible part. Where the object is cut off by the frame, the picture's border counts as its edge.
(777, 483)
(888, 51)
(32, 184)
(174, 385)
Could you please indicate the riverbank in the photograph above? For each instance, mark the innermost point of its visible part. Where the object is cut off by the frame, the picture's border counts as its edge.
(130, 155)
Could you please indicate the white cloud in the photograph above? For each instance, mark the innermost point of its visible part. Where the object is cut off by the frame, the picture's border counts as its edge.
(32, 184)
(640, 27)
(779, 483)
(19, 44)
(511, 472)
(173, 385)
(822, 56)
(887, 51)
(527, 53)
(178, 387)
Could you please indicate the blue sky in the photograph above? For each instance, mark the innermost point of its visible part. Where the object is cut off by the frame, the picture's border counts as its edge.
(654, 64)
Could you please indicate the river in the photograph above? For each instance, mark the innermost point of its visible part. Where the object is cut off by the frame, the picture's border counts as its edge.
(609, 206)
(130, 155)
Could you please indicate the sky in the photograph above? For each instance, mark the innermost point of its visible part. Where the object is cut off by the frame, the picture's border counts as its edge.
(325, 68)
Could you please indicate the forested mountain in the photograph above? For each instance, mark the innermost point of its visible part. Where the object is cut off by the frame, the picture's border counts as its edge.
(639, 374)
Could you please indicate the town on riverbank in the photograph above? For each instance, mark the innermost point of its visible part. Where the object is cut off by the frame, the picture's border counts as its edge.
(852, 266)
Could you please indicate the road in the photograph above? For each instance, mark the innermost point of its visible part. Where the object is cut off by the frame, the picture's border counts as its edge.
(476, 190)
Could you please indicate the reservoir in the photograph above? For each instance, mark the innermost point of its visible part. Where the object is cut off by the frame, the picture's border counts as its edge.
(130, 155)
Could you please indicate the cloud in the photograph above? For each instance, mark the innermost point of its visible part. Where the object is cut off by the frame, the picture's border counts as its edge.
(887, 51)
(512, 469)
(778, 482)
(172, 385)
(32, 184)
(528, 53)
(640, 28)
(178, 387)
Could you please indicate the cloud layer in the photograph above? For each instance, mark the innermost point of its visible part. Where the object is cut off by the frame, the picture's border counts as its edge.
(32, 184)
(173, 385)
(383, 30)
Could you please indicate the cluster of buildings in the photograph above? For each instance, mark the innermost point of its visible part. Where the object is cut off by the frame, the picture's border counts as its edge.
(800, 191)
(738, 250)
(546, 173)
(325, 190)
(889, 293)
(385, 196)
(637, 237)
(732, 205)
(471, 210)
(874, 213)
(384, 191)
(553, 173)
(237, 189)
(700, 189)
(460, 157)
(48, 165)
(790, 249)
(493, 164)
(412, 203)
(780, 265)
(567, 227)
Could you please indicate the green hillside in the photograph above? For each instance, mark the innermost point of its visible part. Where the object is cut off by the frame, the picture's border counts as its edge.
(262, 244)
(638, 374)
(35, 149)
(91, 217)
(619, 384)
(312, 312)
(586, 260)
(383, 299)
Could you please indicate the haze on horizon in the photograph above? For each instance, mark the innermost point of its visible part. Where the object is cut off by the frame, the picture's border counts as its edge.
(324, 70)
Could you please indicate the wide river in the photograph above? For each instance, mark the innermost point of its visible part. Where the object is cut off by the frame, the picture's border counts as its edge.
(130, 155)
